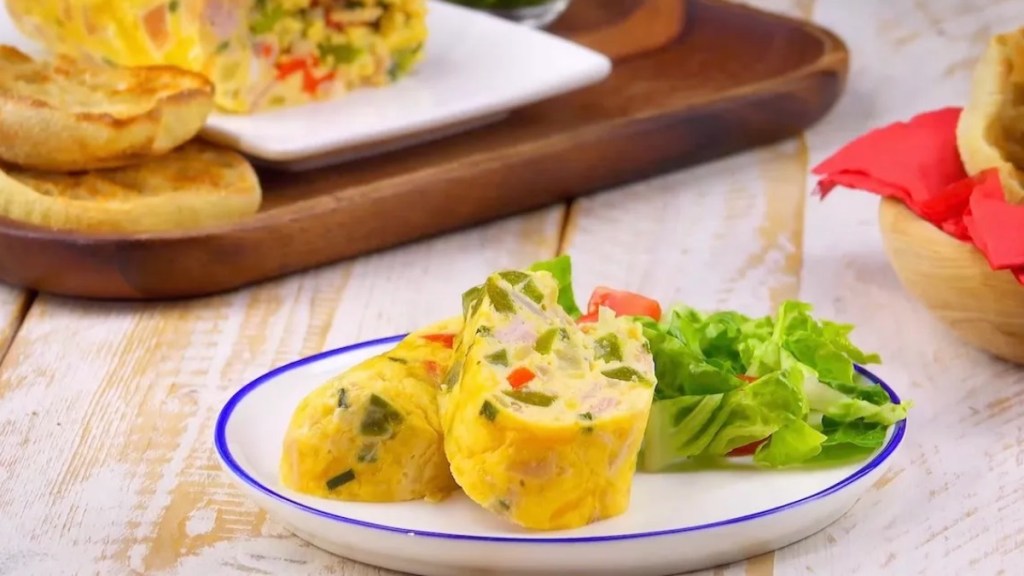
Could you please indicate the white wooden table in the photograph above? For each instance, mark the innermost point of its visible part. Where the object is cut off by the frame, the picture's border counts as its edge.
(106, 410)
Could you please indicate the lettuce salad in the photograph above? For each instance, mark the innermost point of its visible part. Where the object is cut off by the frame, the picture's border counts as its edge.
(781, 388)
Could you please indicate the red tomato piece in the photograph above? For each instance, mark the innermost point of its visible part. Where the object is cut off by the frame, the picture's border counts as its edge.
(747, 449)
(520, 377)
(587, 318)
(446, 340)
(623, 303)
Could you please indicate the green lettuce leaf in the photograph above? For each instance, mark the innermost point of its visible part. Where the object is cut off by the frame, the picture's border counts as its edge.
(705, 406)
(844, 408)
(715, 424)
(797, 441)
(561, 268)
(858, 432)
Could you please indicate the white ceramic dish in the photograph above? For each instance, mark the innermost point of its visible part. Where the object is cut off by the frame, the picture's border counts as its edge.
(476, 68)
(676, 522)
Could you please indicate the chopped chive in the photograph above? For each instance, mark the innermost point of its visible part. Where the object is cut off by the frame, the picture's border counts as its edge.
(500, 299)
(588, 430)
(488, 410)
(514, 277)
(608, 348)
(546, 341)
(454, 373)
(499, 358)
(380, 418)
(339, 53)
(471, 300)
(504, 505)
(483, 331)
(587, 416)
(531, 291)
(341, 479)
(624, 373)
(223, 46)
(343, 398)
(398, 360)
(172, 6)
(531, 397)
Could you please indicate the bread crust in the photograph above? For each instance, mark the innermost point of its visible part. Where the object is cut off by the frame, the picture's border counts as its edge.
(990, 131)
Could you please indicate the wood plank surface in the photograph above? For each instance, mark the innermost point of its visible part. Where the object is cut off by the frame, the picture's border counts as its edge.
(106, 410)
(950, 504)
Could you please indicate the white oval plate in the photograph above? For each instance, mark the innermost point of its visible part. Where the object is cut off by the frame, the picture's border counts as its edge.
(676, 522)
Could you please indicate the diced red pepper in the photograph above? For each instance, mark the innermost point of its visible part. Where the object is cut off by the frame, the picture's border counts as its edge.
(446, 340)
(286, 68)
(310, 83)
(587, 319)
(623, 303)
(520, 377)
(747, 449)
(433, 368)
(746, 378)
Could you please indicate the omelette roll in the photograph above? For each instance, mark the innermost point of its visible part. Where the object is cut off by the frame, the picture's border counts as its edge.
(543, 419)
(258, 53)
(372, 434)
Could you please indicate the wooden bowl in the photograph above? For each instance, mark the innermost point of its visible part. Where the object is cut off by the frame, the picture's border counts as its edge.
(623, 28)
(984, 307)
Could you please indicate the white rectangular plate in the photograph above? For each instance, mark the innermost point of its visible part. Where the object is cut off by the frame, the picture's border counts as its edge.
(474, 66)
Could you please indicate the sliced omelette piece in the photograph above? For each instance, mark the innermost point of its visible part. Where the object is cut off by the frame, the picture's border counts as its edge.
(990, 132)
(372, 434)
(63, 115)
(195, 185)
(259, 53)
(543, 419)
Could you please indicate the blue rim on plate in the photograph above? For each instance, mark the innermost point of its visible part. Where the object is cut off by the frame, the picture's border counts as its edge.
(220, 441)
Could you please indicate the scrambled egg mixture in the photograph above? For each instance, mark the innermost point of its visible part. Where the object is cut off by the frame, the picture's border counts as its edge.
(543, 419)
(258, 53)
(373, 433)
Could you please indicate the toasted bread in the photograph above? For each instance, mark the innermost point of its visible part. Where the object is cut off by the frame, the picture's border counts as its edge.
(990, 132)
(67, 116)
(196, 185)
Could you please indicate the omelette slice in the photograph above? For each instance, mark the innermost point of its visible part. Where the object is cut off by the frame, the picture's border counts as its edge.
(372, 434)
(259, 53)
(543, 419)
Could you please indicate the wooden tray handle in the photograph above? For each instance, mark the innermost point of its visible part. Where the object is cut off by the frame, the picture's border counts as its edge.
(622, 28)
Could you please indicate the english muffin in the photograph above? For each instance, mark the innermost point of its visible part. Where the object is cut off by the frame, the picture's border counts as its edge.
(64, 115)
(195, 185)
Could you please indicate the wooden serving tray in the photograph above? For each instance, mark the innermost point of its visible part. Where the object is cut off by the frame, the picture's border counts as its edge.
(731, 79)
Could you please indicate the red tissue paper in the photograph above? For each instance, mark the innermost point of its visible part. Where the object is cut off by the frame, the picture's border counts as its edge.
(917, 162)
